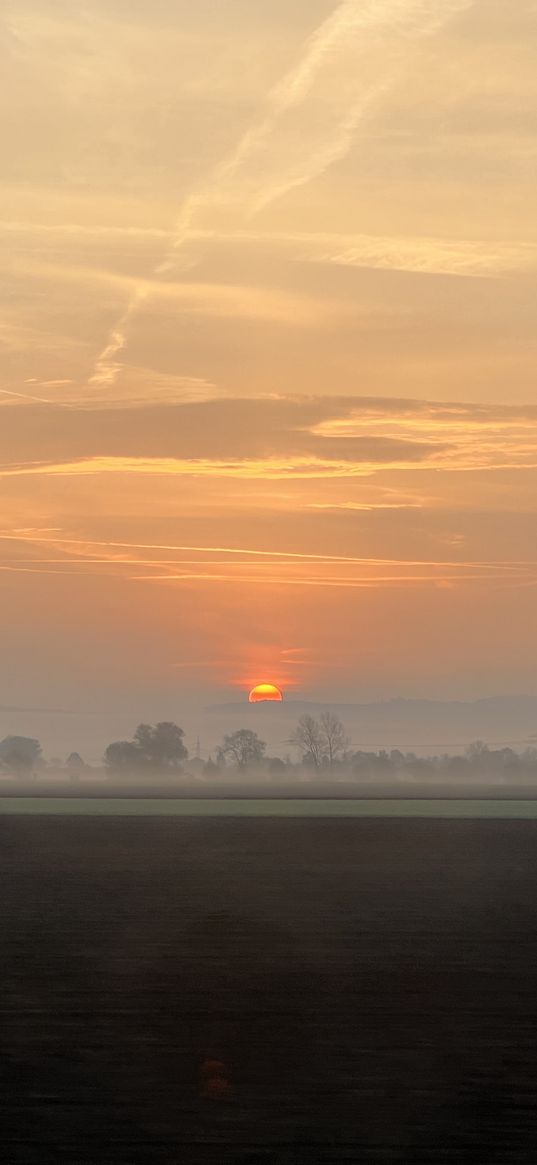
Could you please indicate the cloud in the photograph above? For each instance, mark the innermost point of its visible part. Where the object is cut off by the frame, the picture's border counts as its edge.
(244, 469)
(21, 396)
(419, 254)
(107, 365)
(279, 152)
(212, 299)
(189, 564)
(433, 256)
(77, 230)
(119, 552)
(334, 69)
(394, 23)
(27, 708)
(263, 440)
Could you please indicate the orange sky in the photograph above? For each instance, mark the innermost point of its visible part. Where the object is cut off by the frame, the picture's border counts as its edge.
(267, 342)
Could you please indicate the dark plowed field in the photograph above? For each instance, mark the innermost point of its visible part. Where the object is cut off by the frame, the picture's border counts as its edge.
(268, 991)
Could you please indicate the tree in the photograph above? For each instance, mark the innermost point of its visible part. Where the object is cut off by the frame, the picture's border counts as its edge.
(123, 756)
(75, 766)
(74, 762)
(210, 769)
(308, 737)
(244, 747)
(276, 764)
(477, 750)
(155, 748)
(335, 739)
(161, 746)
(19, 754)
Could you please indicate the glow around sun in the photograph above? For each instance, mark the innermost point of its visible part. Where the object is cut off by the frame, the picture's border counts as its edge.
(263, 692)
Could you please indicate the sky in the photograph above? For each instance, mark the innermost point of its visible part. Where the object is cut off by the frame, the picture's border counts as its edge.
(267, 351)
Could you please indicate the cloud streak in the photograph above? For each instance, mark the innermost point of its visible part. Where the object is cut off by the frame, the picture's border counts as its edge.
(418, 254)
(396, 25)
(221, 300)
(281, 439)
(247, 566)
(89, 547)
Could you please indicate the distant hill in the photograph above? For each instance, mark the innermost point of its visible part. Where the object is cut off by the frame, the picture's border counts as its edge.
(402, 723)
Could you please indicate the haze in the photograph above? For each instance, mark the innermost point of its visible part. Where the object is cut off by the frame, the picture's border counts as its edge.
(268, 352)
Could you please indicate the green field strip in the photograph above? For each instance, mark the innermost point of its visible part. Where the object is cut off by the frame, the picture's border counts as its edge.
(265, 807)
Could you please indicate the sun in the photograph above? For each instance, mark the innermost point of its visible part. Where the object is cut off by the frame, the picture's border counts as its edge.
(263, 692)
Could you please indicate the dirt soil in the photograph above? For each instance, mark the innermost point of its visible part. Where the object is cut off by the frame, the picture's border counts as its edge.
(267, 991)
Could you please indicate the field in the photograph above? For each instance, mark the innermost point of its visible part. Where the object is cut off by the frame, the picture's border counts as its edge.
(302, 807)
(268, 989)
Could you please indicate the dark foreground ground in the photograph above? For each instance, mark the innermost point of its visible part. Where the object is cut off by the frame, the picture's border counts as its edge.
(267, 991)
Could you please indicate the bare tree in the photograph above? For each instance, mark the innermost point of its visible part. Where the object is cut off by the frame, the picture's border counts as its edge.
(308, 737)
(335, 739)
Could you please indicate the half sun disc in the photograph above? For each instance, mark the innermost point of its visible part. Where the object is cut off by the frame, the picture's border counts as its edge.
(263, 692)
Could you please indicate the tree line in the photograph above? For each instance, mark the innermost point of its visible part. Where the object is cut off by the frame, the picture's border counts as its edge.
(319, 745)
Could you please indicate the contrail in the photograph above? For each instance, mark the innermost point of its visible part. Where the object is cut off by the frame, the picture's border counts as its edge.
(107, 365)
(338, 39)
(340, 35)
(401, 21)
(32, 537)
(350, 20)
(24, 396)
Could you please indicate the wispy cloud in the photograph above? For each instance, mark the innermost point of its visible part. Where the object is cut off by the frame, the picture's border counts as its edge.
(268, 469)
(91, 548)
(107, 365)
(275, 154)
(76, 230)
(419, 254)
(247, 566)
(337, 48)
(19, 396)
(210, 299)
(281, 439)
(335, 51)
(434, 256)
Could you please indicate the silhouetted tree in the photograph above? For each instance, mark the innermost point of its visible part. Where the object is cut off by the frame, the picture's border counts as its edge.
(334, 738)
(157, 748)
(275, 764)
(75, 766)
(477, 751)
(74, 762)
(308, 737)
(161, 746)
(123, 756)
(19, 754)
(244, 747)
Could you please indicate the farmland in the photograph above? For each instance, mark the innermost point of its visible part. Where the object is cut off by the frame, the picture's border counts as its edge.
(283, 989)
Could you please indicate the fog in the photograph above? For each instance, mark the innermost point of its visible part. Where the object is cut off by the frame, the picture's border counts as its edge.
(320, 762)
(424, 727)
